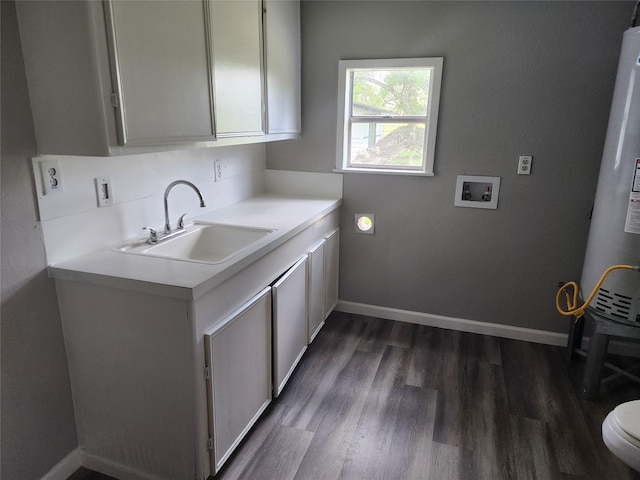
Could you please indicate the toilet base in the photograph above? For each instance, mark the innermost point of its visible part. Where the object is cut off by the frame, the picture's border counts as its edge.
(621, 444)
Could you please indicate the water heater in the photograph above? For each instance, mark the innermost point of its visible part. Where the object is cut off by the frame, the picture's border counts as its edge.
(614, 236)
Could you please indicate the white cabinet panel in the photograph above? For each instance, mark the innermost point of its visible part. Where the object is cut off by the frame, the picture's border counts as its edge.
(331, 272)
(289, 322)
(161, 71)
(178, 72)
(282, 63)
(238, 355)
(237, 50)
(316, 290)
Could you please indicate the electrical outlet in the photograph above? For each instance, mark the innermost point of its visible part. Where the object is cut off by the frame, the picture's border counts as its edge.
(524, 164)
(51, 177)
(103, 191)
(220, 169)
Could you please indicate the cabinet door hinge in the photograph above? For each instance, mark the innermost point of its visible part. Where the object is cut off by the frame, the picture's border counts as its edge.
(207, 373)
(114, 100)
(210, 443)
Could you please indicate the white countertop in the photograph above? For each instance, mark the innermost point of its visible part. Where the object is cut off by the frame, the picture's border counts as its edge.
(188, 280)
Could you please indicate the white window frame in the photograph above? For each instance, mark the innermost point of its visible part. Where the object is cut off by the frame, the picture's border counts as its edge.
(345, 118)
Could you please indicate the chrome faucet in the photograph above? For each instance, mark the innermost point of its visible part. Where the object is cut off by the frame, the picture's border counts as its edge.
(167, 225)
(156, 237)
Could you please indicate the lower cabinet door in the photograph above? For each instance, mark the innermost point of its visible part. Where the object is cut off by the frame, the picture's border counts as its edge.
(238, 356)
(331, 273)
(316, 290)
(289, 295)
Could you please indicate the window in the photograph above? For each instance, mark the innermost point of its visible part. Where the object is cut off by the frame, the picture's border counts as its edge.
(387, 115)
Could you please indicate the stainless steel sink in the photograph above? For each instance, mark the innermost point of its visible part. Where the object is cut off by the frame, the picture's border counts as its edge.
(201, 242)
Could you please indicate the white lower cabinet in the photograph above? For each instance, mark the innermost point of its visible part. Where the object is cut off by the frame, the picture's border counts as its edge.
(238, 360)
(243, 373)
(316, 290)
(166, 383)
(289, 323)
(322, 283)
(331, 272)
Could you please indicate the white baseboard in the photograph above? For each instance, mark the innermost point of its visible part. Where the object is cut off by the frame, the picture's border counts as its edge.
(619, 347)
(452, 323)
(115, 470)
(65, 467)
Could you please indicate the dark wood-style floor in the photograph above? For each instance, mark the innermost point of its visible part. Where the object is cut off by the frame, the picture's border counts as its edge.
(376, 399)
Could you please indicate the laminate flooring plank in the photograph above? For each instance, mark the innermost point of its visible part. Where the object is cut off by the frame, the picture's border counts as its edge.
(319, 369)
(449, 421)
(251, 449)
(421, 356)
(555, 404)
(446, 357)
(370, 448)
(402, 334)
(376, 335)
(534, 458)
(525, 387)
(281, 456)
(490, 436)
(449, 463)
(573, 447)
(471, 347)
(411, 445)
(490, 350)
(337, 418)
(449, 374)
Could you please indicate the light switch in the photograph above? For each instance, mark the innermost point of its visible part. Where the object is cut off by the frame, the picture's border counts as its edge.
(103, 191)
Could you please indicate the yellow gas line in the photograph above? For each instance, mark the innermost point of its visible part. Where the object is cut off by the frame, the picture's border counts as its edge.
(572, 300)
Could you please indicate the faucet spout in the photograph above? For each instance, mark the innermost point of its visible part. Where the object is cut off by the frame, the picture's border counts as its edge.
(167, 225)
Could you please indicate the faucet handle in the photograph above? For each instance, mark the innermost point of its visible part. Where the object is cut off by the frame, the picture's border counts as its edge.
(153, 235)
(181, 222)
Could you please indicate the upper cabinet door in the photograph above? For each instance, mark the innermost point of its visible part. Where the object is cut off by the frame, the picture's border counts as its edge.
(237, 52)
(282, 58)
(160, 71)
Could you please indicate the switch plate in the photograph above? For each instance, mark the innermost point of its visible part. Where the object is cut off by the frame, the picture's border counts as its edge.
(524, 164)
(51, 177)
(103, 191)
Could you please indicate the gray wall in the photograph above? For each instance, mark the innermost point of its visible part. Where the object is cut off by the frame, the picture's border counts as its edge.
(38, 428)
(520, 78)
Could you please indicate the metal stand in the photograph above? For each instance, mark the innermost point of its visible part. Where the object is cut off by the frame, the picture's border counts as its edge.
(603, 330)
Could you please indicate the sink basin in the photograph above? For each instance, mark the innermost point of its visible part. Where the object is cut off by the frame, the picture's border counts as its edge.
(202, 242)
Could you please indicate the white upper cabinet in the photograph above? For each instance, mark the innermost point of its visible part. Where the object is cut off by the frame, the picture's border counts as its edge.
(282, 60)
(160, 71)
(237, 53)
(121, 77)
(67, 68)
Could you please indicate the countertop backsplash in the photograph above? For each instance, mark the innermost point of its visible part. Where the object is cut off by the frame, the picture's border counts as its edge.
(73, 224)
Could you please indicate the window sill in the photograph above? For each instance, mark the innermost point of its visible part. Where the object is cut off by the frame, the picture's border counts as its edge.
(371, 171)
